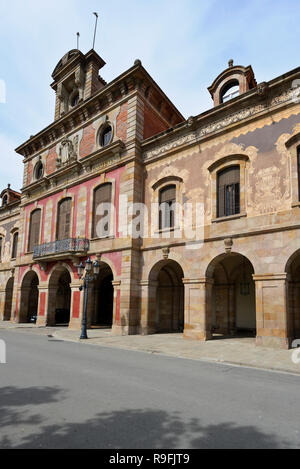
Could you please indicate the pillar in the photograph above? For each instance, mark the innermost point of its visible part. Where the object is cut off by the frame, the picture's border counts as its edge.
(271, 310)
(116, 323)
(42, 305)
(197, 308)
(148, 307)
(76, 306)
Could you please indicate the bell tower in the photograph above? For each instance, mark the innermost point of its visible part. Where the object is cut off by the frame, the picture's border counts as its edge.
(76, 78)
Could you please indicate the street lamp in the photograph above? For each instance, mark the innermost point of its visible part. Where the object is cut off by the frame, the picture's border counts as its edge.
(88, 276)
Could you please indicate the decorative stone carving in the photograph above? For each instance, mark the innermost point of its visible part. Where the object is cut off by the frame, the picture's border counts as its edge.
(228, 244)
(165, 252)
(68, 151)
(262, 89)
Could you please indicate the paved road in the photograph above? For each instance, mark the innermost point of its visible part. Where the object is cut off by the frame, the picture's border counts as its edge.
(56, 394)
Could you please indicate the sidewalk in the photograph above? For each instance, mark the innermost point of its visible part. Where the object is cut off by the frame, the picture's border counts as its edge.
(236, 351)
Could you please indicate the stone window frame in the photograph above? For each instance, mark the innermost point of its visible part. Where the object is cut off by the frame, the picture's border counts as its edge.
(156, 189)
(39, 162)
(58, 201)
(103, 180)
(71, 96)
(41, 208)
(13, 233)
(294, 150)
(214, 169)
(101, 129)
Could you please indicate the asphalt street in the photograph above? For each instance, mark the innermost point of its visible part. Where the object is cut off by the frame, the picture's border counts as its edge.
(57, 394)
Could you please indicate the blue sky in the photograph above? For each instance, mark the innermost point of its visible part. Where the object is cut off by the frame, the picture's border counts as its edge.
(184, 45)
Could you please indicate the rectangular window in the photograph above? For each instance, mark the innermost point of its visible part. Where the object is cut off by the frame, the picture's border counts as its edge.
(15, 246)
(167, 203)
(101, 212)
(228, 193)
(64, 219)
(34, 229)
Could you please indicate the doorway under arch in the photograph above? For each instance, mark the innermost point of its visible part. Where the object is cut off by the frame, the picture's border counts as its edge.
(59, 297)
(232, 309)
(8, 299)
(29, 297)
(293, 295)
(101, 301)
(166, 297)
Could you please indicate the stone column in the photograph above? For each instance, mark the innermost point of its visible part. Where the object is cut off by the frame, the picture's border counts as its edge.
(51, 306)
(76, 306)
(197, 308)
(15, 298)
(148, 307)
(2, 303)
(116, 323)
(271, 310)
(42, 304)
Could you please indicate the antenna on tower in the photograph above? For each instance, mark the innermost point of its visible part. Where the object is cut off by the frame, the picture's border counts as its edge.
(78, 35)
(96, 14)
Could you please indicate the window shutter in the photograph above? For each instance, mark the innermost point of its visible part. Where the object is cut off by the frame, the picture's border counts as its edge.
(102, 194)
(167, 199)
(228, 192)
(64, 219)
(34, 230)
(15, 245)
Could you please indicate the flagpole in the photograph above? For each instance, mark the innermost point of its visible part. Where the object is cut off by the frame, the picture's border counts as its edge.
(96, 14)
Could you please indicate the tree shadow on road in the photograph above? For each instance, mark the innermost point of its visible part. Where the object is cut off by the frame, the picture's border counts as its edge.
(131, 428)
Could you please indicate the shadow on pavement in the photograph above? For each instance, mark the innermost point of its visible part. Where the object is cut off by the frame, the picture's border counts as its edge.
(132, 428)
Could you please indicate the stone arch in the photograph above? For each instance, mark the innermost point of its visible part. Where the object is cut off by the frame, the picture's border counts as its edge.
(8, 299)
(59, 298)
(166, 297)
(29, 296)
(158, 260)
(231, 309)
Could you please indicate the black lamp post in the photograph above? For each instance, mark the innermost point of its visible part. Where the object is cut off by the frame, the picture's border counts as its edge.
(88, 276)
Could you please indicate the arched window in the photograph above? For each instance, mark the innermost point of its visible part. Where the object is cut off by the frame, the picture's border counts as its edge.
(34, 229)
(75, 99)
(4, 200)
(38, 170)
(167, 200)
(106, 135)
(230, 90)
(228, 192)
(64, 219)
(15, 245)
(102, 213)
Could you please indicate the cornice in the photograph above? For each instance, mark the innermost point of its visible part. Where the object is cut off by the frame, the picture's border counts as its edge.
(135, 79)
(183, 135)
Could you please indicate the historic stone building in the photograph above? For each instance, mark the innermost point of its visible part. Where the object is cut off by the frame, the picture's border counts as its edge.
(211, 246)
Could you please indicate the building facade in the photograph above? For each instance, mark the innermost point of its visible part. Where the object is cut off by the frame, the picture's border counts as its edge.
(195, 223)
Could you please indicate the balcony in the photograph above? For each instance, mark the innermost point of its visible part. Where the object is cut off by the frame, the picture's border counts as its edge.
(61, 249)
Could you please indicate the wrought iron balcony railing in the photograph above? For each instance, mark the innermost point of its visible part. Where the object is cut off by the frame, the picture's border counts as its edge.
(71, 245)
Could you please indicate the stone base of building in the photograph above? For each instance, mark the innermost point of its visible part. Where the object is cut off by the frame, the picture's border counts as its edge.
(124, 330)
(75, 324)
(196, 334)
(41, 321)
(273, 342)
(147, 330)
